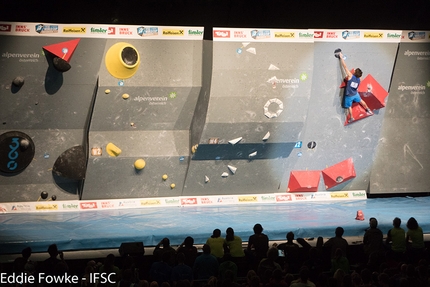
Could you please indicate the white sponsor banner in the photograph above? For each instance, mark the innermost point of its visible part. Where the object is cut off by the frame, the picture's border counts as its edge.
(85, 205)
(101, 31)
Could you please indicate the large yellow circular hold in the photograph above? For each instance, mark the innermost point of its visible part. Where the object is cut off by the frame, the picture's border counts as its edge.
(122, 60)
(139, 164)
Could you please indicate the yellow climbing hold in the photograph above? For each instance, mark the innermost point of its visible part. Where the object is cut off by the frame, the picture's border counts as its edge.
(113, 150)
(107, 91)
(194, 148)
(172, 186)
(139, 163)
(125, 96)
(164, 177)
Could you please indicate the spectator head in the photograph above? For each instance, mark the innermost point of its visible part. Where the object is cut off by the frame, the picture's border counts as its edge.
(216, 233)
(258, 229)
(53, 250)
(26, 252)
(338, 253)
(339, 231)
(272, 253)
(180, 257)
(189, 241)
(206, 249)
(396, 222)
(304, 274)
(412, 223)
(229, 234)
(166, 242)
(373, 222)
(290, 236)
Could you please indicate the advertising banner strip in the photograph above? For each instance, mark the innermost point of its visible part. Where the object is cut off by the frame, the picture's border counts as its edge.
(363, 36)
(101, 31)
(85, 205)
(262, 35)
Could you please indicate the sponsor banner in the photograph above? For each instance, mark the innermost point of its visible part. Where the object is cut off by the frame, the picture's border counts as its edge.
(272, 198)
(101, 31)
(262, 35)
(74, 30)
(415, 36)
(209, 200)
(252, 198)
(151, 202)
(381, 36)
(5, 28)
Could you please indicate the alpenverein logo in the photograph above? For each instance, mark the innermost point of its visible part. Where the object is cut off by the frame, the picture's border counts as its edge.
(373, 35)
(75, 30)
(285, 35)
(179, 32)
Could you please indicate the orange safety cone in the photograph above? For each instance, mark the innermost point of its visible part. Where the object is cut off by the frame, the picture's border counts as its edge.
(360, 215)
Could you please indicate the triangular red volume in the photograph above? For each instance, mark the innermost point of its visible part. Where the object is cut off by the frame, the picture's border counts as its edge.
(304, 181)
(338, 173)
(63, 50)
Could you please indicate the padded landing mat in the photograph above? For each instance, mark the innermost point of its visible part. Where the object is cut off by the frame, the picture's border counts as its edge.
(109, 228)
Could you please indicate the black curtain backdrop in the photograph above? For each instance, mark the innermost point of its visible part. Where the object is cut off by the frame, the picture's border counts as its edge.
(298, 14)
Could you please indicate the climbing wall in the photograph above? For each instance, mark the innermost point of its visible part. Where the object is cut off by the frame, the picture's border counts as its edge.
(143, 112)
(259, 78)
(47, 89)
(402, 159)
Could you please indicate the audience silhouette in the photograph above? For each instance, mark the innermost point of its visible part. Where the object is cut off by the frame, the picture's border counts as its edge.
(402, 261)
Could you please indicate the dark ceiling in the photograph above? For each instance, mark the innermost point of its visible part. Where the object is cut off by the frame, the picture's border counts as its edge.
(304, 14)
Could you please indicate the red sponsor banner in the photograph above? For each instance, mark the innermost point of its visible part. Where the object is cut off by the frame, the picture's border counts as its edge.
(189, 201)
(221, 34)
(88, 205)
(5, 27)
(283, 197)
(318, 34)
(111, 31)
